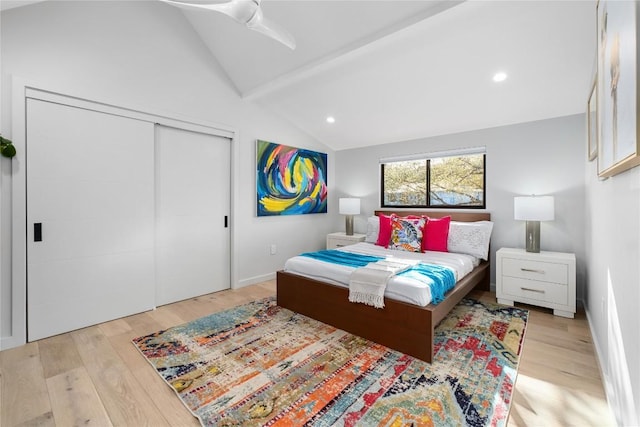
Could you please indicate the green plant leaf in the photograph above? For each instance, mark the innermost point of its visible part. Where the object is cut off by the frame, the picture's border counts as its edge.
(8, 150)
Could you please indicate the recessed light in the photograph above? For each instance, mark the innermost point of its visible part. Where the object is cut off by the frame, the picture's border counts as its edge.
(499, 77)
(331, 119)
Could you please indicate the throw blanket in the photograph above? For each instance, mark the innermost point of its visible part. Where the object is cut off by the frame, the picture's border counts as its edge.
(440, 279)
(367, 284)
(349, 259)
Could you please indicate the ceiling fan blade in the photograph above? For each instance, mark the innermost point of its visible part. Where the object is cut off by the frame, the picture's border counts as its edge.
(269, 28)
(246, 12)
(240, 10)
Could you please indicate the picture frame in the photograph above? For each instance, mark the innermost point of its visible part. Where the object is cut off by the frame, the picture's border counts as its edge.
(617, 87)
(592, 122)
(290, 180)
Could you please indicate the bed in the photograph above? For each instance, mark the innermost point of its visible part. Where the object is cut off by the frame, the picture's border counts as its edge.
(399, 325)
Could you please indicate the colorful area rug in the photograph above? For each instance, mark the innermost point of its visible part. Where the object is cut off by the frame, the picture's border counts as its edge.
(260, 364)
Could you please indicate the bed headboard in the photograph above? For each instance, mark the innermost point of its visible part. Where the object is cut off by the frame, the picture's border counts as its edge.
(455, 215)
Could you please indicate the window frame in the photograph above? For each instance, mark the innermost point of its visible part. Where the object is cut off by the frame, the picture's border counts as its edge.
(428, 158)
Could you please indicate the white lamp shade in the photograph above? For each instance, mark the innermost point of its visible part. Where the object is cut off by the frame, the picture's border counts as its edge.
(349, 206)
(533, 208)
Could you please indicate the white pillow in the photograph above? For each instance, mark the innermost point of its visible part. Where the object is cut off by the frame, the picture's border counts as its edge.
(470, 238)
(373, 229)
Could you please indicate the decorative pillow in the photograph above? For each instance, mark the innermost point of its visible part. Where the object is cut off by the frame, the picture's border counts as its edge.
(436, 234)
(373, 229)
(406, 234)
(384, 230)
(470, 238)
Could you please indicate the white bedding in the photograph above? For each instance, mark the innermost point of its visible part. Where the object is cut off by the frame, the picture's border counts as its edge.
(400, 288)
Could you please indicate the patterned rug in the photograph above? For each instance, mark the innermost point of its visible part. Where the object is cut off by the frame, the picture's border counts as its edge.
(260, 364)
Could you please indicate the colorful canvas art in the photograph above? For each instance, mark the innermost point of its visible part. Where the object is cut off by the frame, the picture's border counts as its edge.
(290, 181)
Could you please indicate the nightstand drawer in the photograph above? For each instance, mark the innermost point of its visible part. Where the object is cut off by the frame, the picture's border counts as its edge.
(338, 243)
(338, 239)
(535, 270)
(519, 288)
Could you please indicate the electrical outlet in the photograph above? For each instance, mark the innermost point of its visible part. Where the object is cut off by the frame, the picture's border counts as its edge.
(274, 249)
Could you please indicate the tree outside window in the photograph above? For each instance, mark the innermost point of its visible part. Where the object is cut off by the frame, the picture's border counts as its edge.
(439, 182)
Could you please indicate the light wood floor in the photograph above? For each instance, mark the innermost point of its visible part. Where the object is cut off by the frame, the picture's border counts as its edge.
(95, 376)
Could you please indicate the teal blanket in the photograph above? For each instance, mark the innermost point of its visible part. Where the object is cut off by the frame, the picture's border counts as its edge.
(343, 258)
(440, 279)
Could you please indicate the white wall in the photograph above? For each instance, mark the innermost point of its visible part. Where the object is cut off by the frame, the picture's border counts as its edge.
(145, 54)
(543, 157)
(612, 292)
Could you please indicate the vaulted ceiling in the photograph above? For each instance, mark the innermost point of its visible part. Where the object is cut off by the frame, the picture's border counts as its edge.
(393, 70)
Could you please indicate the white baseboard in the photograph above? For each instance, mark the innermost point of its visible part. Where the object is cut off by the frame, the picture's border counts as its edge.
(608, 387)
(11, 342)
(255, 280)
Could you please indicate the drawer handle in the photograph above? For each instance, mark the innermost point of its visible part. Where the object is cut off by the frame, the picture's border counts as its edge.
(532, 290)
(531, 270)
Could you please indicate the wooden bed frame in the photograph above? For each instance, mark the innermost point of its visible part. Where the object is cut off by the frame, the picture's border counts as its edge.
(401, 326)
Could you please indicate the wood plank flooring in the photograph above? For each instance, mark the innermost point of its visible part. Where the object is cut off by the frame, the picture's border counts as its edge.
(96, 377)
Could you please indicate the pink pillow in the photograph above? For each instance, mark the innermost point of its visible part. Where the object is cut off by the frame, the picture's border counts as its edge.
(435, 234)
(384, 235)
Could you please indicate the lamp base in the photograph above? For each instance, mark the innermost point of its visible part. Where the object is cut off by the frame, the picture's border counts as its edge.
(532, 236)
(349, 225)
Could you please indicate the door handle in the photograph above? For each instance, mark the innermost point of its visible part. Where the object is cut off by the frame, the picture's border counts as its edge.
(531, 270)
(226, 221)
(37, 232)
(540, 291)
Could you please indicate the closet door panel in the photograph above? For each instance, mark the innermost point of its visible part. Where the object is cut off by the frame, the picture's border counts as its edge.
(90, 183)
(192, 200)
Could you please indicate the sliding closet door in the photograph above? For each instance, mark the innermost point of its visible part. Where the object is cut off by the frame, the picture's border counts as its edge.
(90, 217)
(193, 190)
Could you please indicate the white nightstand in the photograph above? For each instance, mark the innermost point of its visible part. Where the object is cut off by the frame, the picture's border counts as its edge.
(339, 239)
(546, 279)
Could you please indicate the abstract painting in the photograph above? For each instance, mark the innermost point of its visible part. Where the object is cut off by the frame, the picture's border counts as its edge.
(290, 181)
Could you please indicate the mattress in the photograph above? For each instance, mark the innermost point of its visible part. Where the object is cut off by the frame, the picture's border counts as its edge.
(400, 288)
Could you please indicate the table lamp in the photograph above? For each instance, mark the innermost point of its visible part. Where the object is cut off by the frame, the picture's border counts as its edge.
(349, 206)
(533, 209)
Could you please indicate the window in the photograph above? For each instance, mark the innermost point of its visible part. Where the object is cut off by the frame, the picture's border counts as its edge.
(439, 180)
